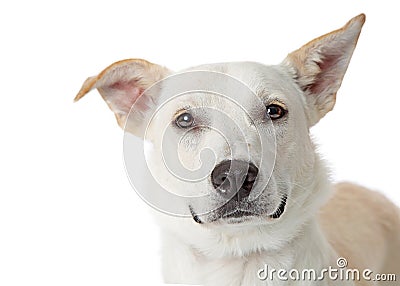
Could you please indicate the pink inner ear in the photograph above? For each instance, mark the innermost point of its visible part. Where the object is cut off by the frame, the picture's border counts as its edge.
(329, 73)
(122, 95)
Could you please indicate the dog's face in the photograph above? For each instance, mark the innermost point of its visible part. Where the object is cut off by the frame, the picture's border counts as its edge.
(245, 149)
(238, 145)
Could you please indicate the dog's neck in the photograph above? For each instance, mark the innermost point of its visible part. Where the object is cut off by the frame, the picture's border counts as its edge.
(185, 264)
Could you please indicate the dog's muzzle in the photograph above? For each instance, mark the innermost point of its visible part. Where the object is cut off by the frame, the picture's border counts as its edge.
(234, 179)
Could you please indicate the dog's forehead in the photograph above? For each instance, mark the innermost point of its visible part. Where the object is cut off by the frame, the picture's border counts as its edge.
(262, 80)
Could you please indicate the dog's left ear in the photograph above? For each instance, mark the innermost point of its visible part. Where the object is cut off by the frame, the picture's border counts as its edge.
(320, 65)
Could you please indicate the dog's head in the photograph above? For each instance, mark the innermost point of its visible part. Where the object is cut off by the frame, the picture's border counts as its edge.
(234, 134)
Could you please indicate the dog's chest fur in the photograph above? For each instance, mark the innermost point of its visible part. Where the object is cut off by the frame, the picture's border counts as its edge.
(183, 263)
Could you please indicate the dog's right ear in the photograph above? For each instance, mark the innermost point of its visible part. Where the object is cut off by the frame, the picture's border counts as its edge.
(320, 65)
(121, 84)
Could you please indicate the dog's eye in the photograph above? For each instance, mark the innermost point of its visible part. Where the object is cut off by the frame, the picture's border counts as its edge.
(275, 111)
(184, 120)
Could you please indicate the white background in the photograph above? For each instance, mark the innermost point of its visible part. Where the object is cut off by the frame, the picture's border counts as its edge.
(68, 215)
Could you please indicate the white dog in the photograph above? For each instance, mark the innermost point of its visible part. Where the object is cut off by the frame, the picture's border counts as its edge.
(268, 206)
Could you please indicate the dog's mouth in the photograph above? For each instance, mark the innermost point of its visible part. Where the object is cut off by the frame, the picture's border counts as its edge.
(281, 208)
(240, 213)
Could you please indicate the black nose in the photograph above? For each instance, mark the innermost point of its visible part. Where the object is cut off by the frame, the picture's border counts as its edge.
(234, 177)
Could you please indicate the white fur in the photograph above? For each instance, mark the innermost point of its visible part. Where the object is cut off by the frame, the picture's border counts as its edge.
(225, 254)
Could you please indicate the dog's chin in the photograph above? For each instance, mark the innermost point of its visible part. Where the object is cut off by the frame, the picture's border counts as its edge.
(242, 216)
